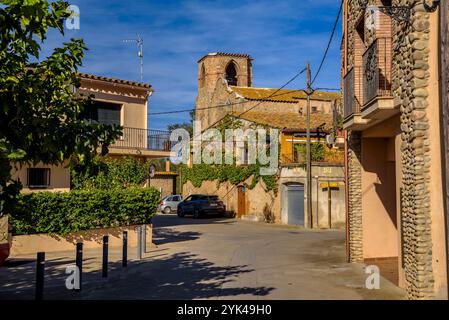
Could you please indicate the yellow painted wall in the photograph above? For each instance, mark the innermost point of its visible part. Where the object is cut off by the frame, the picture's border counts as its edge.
(59, 177)
(287, 149)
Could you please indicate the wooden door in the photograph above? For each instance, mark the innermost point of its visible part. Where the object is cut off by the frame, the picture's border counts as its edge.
(241, 201)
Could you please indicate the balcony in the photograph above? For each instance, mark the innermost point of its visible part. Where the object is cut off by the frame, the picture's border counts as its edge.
(377, 94)
(352, 96)
(145, 142)
(368, 97)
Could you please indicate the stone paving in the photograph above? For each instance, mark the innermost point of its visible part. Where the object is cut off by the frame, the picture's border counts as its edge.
(209, 259)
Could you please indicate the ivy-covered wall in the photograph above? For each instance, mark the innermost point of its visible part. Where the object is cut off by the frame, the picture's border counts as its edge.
(249, 176)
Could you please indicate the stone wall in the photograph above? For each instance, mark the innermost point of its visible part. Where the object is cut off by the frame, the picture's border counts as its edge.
(211, 84)
(164, 183)
(3, 229)
(411, 93)
(91, 239)
(259, 197)
(410, 66)
(216, 99)
(355, 197)
(255, 199)
(4, 239)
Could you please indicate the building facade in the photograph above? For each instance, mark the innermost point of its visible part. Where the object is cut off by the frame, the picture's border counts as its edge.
(119, 102)
(225, 90)
(288, 204)
(391, 89)
(225, 87)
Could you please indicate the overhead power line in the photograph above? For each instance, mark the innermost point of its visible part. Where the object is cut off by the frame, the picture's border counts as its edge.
(224, 105)
(274, 94)
(329, 43)
(260, 102)
(328, 89)
(286, 84)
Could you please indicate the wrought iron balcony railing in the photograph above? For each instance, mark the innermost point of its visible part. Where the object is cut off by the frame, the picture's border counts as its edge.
(145, 139)
(353, 92)
(377, 62)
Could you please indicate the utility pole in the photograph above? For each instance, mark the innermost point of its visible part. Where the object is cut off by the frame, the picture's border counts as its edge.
(139, 42)
(309, 92)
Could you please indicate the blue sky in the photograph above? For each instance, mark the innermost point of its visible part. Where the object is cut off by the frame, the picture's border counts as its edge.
(280, 35)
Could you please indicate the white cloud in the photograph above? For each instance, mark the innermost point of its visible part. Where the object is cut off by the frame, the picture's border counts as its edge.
(280, 35)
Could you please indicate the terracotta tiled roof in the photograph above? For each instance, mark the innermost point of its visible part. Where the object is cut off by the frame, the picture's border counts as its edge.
(225, 54)
(283, 95)
(114, 80)
(288, 120)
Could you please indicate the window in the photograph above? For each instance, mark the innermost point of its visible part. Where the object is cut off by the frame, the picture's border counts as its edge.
(38, 177)
(298, 150)
(314, 109)
(231, 74)
(360, 28)
(242, 156)
(104, 113)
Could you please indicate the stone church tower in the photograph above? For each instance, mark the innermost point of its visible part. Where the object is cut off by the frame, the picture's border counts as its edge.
(215, 70)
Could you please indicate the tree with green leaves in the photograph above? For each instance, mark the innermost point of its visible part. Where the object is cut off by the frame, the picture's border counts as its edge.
(40, 110)
(185, 125)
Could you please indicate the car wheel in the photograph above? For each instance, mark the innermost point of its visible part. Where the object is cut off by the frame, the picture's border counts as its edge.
(180, 213)
(196, 214)
(167, 210)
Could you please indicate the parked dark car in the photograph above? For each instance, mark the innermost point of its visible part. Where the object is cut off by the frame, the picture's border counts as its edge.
(200, 205)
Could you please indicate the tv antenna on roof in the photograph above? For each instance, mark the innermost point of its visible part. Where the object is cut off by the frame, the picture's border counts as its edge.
(139, 42)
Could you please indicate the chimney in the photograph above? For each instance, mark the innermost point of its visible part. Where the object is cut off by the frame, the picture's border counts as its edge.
(167, 165)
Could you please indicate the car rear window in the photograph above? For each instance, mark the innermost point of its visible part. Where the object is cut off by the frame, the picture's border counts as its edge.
(213, 198)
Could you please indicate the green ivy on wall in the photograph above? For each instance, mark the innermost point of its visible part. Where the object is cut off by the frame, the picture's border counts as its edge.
(317, 151)
(236, 175)
(107, 173)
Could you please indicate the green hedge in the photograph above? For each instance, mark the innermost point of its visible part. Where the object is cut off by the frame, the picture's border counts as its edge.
(61, 213)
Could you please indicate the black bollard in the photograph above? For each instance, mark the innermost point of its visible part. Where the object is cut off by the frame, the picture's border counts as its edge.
(105, 256)
(125, 249)
(79, 263)
(40, 273)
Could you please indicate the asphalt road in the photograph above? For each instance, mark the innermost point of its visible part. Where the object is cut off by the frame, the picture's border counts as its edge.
(210, 259)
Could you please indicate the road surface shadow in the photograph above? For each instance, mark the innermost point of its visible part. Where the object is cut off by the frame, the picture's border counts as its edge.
(171, 220)
(168, 235)
(180, 276)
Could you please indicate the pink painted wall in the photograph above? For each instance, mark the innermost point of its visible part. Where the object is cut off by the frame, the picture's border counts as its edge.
(379, 198)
